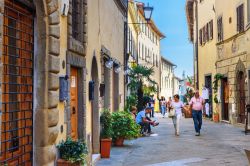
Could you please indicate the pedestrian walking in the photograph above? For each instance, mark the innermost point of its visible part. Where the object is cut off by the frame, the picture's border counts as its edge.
(152, 105)
(176, 106)
(163, 106)
(196, 105)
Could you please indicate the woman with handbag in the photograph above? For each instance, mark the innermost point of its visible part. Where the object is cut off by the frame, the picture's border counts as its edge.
(175, 113)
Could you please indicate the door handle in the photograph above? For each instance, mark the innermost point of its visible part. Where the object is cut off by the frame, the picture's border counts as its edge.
(73, 110)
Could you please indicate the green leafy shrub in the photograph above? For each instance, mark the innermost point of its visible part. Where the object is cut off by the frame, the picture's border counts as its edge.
(73, 151)
(124, 125)
(106, 124)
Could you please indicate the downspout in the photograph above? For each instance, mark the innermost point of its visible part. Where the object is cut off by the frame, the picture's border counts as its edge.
(125, 53)
(196, 44)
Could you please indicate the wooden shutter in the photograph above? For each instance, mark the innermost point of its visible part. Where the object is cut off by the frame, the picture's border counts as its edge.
(211, 30)
(200, 36)
(240, 18)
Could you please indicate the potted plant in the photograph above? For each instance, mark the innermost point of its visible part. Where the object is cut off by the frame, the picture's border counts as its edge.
(216, 116)
(124, 127)
(106, 133)
(72, 153)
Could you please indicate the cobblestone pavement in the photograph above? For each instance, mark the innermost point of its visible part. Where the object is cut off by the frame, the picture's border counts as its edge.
(219, 144)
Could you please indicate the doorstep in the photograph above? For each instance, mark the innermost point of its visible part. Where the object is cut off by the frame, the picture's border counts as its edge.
(95, 158)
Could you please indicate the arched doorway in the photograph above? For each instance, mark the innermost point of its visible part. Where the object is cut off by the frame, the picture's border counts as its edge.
(241, 97)
(95, 109)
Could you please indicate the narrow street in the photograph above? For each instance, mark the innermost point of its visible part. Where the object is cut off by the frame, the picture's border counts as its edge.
(219, 144)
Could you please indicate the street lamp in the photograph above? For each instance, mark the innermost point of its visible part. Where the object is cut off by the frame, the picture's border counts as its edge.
(148, 10)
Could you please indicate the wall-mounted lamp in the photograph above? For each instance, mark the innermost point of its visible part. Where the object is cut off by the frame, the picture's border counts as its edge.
(118, 69)
(109, 64)
(148, 10)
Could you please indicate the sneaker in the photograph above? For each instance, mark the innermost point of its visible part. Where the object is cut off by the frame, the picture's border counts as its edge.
(156, 124)
(197, 134)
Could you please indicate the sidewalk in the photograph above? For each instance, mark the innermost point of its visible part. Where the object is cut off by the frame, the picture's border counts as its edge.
(219, 144)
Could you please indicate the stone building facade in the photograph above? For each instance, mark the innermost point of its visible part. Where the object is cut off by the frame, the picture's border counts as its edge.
(105, 43)
(167, 78)
(40, 44)
(149, 45)
(231, 35)
(34, 48)
(202, 28)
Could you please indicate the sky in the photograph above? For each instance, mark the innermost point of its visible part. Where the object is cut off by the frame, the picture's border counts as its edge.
(170, 17)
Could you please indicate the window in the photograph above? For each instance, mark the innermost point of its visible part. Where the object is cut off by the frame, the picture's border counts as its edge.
(240, 18)
(248, 11)
(142, 51)
(139, 50)
(153, 59)
(207, 32)
(76, 20)
(204, 35)
(211, 33)
(220, 28)
(200, 36)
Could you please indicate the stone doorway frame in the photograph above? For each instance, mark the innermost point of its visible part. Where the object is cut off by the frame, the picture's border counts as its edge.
(240, 68)
(74, 60)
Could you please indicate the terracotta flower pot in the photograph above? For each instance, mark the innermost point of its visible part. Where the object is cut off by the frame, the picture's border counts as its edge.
(119, 142)
(61, 162)
(216, 118)
(105, 147)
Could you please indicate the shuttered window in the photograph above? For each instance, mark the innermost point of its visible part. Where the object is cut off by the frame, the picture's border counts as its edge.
(220, 29)
(200, 36)
(211, 33)
(248, 11)
(240, 18)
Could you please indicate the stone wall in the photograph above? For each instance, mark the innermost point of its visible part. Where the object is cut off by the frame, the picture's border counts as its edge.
(232, 58)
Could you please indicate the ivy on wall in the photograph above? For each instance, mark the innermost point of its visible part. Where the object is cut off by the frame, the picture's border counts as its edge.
(217, 77)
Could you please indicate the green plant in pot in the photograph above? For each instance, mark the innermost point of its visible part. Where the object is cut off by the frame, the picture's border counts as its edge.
(72, 152)
(106, 133)
(124, 127)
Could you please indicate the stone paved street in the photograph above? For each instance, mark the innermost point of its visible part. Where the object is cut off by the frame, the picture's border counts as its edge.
(219, 144)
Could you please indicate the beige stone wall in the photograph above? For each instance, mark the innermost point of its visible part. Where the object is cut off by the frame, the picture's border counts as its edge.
(167, 79)
(233, 53)
(154, 49)
(105, 28)
(207, 53)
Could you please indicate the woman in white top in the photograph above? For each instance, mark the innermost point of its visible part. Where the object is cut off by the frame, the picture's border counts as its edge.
(178, 106)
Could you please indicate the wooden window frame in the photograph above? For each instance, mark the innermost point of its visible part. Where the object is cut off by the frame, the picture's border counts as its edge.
(240, 18)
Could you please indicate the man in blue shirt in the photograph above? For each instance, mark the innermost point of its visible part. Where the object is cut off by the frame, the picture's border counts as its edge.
(144, 121)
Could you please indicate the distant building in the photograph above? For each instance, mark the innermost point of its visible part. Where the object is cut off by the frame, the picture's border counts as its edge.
(149, 44)
(167, 78)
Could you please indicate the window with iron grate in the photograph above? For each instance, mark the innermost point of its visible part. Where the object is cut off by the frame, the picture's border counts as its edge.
(76, 20)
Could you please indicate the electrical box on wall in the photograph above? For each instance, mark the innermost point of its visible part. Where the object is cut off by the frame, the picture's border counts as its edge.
(64, 7)
(91, 90)
(63, 92)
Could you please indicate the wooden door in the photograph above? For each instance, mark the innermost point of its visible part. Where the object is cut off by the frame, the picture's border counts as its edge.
(225, 99)
(74, 102)
(242, 102)
(17, 85)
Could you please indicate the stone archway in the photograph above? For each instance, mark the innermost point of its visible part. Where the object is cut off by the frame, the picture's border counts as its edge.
(240, 91)
(95, 108)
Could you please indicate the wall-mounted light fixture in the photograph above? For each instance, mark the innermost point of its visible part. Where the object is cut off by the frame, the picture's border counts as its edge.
(109, 64)
(118, 69)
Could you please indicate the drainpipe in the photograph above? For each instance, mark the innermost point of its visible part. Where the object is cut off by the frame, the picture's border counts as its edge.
(125, 53)
(196, 45)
